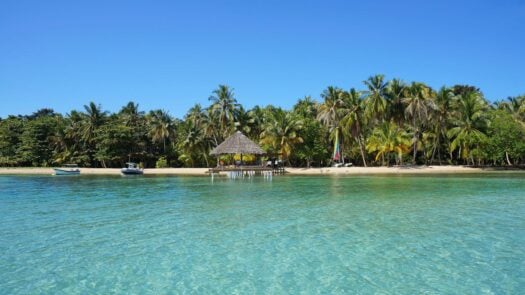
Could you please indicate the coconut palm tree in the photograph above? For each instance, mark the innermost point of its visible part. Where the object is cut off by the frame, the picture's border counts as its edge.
(352, 121)
(418, 103)
(514, 106)
(257, 117)
(329, 113)
(395, 93)
(469, 121)
(244, 121)
(161, 127)
(197, 116)
(130, 114)
(439, 119)
(376, 99)
(306, 107)
(223, 109)
(131, 117)
(388, 139)
(194, 144)
(329, 110)
(94, 117)
(280, 132)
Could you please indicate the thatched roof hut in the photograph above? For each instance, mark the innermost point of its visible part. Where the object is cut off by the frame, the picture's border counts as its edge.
(238, 143)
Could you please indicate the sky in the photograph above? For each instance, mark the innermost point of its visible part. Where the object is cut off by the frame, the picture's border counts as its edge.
(172, 54)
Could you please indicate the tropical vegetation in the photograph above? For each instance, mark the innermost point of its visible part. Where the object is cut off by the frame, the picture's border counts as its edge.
(383, 123)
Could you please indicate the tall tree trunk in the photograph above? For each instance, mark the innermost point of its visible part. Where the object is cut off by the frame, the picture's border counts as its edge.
(415, 151)
(206, 159)
(434, 148)
(415, 140)
(507, 158)
(362, 150)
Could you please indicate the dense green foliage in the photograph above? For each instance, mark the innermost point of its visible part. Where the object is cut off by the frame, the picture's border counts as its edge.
(389, 122)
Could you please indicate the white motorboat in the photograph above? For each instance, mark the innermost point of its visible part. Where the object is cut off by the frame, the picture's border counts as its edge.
(68, 169)
(132, 169)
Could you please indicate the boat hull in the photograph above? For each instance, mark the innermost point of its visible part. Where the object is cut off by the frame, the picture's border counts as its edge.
(66, 171)
(131, 171)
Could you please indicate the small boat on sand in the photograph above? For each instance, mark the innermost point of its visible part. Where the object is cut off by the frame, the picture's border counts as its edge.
(67, 169)
(132, 169)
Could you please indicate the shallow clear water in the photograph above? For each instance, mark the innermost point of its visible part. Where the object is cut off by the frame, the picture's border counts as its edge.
(368, 235)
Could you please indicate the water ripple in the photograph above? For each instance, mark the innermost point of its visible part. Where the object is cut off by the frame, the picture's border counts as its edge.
(311, 235)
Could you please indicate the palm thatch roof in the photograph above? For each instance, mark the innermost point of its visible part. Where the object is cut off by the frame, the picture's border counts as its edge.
(238, 143)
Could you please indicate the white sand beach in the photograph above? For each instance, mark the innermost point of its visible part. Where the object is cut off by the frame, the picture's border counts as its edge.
(290, 171)
(389, 170)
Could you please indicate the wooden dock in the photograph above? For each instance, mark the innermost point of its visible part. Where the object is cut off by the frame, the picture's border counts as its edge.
(257, 170)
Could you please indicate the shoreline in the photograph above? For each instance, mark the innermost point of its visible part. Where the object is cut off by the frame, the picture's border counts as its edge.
(423, 170)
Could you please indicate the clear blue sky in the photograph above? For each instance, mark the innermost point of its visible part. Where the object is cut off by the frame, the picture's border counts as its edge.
(172, 54)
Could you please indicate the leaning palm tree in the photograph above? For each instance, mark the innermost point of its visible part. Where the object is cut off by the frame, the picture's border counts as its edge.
(469, 121)
(223, 109)
(161, 127)
(376, 102)
(388, 139)
(418, 103)
(352, 121)
(281, 133)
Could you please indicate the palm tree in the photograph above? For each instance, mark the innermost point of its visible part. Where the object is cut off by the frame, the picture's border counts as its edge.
(386, 139)
(514, 106)
(306, 107)
(196, 115)
(280, 132)
(93, 119)
(418, 104)
(440, 120)
(132, 118)
(469, 121)
(161, 127)
(257, 116)
(329, 113)
(376, 102)
(194, 142)
(395, 93)
(329, 110)
(223, 108)
(130, 114)
(352, 120)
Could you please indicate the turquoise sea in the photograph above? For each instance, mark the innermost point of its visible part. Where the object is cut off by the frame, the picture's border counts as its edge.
(462, 234)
